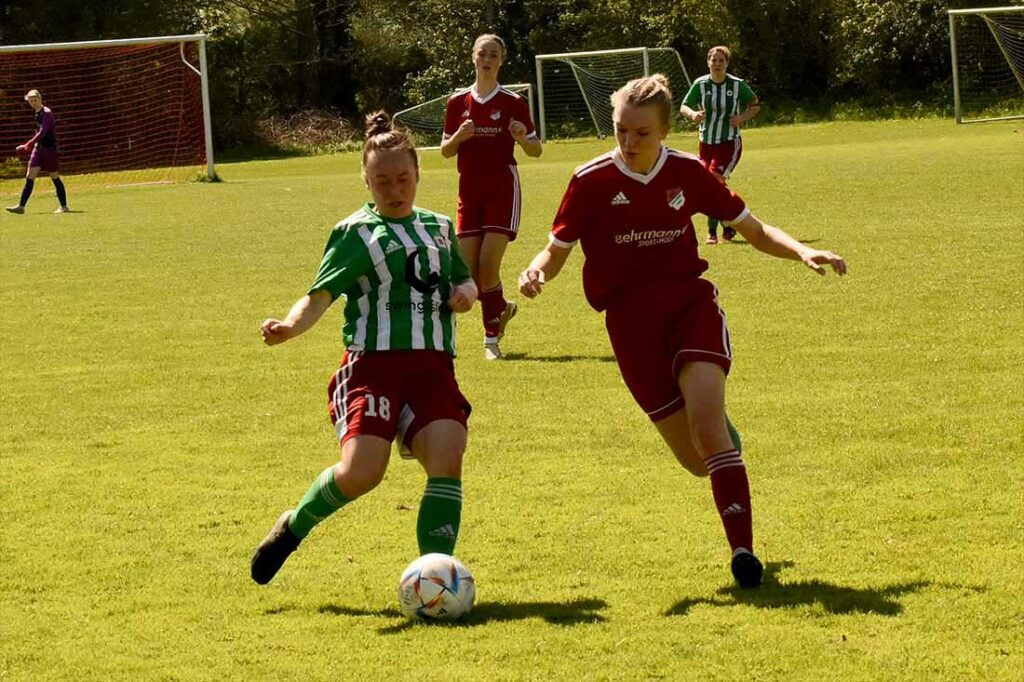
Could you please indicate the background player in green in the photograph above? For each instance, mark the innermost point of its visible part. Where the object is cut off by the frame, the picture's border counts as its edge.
(399, 268)
(721, 103)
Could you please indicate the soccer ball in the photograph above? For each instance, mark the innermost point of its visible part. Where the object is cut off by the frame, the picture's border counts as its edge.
(436, 587)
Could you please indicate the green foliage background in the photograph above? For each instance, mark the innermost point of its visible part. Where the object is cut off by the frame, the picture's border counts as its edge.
(276, 57)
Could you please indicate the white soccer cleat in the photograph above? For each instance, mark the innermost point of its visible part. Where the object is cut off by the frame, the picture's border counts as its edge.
(63, 209)
(492, 351)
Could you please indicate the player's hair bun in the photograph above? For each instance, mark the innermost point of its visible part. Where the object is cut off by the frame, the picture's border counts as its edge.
(376, 123)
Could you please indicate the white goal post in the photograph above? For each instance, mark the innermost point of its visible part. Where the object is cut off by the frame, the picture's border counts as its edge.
(573, 88)
(426, 120)
(128, 111)
(987, 50)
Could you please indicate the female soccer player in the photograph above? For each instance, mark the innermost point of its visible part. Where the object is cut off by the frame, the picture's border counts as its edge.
(45, 155)
(632, 212)
(721, 103)
(482, 125)
(399, 269)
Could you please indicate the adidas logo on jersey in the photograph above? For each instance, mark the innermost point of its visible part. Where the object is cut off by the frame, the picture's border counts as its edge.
(392, 247)
(620, 200)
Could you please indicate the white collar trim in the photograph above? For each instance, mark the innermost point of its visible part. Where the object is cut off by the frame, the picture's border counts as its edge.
(484, 100)
(640, 177)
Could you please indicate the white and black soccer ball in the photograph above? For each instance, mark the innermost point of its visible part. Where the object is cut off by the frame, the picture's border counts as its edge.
(436, 587)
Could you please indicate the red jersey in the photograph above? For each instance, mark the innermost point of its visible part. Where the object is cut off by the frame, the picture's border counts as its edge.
(491, 146)
(637, 230)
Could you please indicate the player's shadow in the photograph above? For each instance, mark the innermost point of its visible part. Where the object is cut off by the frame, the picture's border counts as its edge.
(576, 612)
(833, 598)
(556, 358)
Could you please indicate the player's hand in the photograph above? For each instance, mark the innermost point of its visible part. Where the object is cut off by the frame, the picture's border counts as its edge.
(517, 129)
(21, 149)
(531, 282)
(736, 120)
(462, 299)
(697, 117)
(815, 259)
(275, 332)
(466, 130)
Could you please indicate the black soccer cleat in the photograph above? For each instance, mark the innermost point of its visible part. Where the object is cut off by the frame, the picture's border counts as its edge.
(728, 234)
(275, 549)
(747, 569)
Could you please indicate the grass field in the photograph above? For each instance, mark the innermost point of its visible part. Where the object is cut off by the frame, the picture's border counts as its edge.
(148, 440)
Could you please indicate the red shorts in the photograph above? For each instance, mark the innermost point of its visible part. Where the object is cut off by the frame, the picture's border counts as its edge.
(722, 158)
(493, 207)
(46, 160)
(656, 333)
(394, 393)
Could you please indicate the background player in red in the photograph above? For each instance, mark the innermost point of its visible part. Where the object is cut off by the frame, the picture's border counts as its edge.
(482, 125)
(399, 270)
(45, 155)
(721, 103)
(632, 211)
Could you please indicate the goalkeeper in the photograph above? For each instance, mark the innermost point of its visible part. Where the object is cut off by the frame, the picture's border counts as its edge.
(44, 155)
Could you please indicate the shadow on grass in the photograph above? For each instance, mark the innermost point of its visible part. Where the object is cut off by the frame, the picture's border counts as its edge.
(833, 598)
(575, 612)
(556, 358)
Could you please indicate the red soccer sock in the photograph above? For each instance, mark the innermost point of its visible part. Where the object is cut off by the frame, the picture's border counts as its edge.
(731, 491)
(492, 305)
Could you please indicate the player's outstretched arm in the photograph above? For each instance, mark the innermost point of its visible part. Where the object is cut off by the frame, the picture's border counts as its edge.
(778, 243)
(464, 295)
(303, 315)
(544, 267)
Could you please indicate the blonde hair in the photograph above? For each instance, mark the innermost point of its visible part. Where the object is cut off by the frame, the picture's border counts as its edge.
(648, 91)
(33, 93)
(490, 38)
(382, 134)
(720, 48)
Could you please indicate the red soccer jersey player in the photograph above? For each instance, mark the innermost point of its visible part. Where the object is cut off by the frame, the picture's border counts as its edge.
(632, 213)
(483, 124)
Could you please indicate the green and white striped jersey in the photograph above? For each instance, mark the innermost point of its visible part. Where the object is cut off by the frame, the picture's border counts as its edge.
(719, 101)
(396, 277)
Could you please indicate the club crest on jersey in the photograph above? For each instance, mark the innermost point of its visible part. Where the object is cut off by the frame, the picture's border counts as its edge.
(496, 114)
(465, 114)
(675, 198)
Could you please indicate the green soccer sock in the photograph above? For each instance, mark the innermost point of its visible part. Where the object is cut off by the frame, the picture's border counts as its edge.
(734, 434)
(321, 500)
(437, 527)
(712, 226)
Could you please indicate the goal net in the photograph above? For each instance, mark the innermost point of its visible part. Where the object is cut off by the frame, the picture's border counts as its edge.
(128, 111)
(426, 120)
(574, 88)
(987, 47)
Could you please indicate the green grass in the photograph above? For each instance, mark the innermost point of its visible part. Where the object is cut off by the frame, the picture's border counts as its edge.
(148, 440)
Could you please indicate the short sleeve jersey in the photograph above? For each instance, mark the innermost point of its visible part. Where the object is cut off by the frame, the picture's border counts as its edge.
(492, 145)
(396, 276)
(719, 101)
(637, 230)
